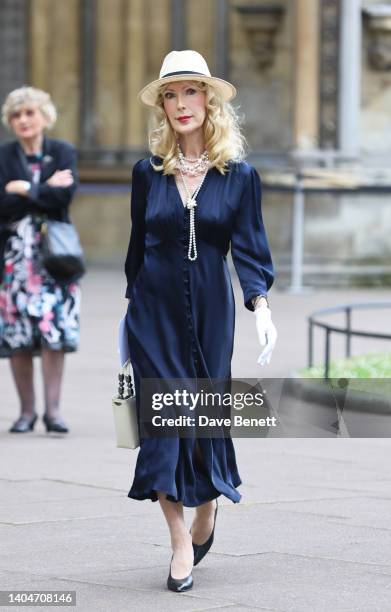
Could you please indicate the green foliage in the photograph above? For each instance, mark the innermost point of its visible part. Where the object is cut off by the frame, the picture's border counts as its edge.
(371, 373)
(371, 365)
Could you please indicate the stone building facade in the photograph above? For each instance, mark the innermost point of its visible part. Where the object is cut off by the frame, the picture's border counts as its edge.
(314, 83)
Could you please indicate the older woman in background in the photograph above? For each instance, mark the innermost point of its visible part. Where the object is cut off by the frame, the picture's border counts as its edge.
(38, 315)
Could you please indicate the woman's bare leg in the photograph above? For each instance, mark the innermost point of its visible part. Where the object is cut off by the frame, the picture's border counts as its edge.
(182, 562)
(204, 516)
(23, 373)
(202, 525)
(52, 371)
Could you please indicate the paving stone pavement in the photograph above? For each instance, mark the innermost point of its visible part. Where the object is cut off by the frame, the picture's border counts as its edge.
(312, 530)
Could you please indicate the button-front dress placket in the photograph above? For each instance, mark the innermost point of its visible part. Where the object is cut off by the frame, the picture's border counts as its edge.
(181, 322)
(186, 280)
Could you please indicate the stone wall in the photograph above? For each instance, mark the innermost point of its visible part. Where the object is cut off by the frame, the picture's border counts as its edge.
(123, 60)
(264, 92)
(103, 221)
(279, 88)
(375, 128)
(346, 237)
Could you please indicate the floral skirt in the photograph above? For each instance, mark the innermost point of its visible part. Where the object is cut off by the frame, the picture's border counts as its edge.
(35, 311)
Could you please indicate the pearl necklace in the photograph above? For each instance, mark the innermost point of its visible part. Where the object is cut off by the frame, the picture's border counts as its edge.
(191, 203)
(192, 165)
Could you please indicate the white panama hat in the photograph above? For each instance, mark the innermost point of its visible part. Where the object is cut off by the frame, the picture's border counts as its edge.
(185, 66)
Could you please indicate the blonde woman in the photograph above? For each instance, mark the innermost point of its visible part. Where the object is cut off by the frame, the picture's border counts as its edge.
(38, 316)
(193, 198)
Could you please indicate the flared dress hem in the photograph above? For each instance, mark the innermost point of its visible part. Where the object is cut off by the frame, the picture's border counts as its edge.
(151, 494)
(6, 353)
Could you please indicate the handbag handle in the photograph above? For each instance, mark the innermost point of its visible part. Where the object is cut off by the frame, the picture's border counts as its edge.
(124, 376)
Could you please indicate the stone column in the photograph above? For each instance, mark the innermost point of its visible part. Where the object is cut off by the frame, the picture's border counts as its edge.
(306, 72)
(135, 63)
(13, 49)
(54, 60)
(201, 29)
(178, 25)
(109, 87)
(350, 76)
(306, 120)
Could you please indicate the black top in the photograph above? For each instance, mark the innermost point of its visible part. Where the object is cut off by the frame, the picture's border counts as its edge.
(42, 198)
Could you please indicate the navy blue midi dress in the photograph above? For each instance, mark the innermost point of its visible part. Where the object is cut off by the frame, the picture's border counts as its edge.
(181, 315)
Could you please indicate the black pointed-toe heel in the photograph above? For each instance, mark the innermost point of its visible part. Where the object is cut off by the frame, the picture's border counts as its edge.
(54, 424)
(23, 424)
(179, 585)
(200, 550)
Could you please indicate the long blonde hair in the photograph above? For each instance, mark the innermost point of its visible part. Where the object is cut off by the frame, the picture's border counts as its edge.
(224, 140)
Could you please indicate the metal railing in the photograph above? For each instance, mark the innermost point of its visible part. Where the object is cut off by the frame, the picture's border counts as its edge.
(347, 330)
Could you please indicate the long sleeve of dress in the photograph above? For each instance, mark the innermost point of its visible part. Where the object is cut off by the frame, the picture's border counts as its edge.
(136, 247)
(249, 245)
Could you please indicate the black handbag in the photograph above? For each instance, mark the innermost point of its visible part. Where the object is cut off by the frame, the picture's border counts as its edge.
(62, 254)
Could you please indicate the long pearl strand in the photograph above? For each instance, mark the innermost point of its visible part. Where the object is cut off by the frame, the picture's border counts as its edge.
(191, 203)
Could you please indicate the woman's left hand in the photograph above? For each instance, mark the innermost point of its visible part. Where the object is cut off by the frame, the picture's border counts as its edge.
(267, 333)
(18, 187)
(61, 178)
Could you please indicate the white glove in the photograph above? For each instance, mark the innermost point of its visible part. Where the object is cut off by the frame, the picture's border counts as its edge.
(267, 333)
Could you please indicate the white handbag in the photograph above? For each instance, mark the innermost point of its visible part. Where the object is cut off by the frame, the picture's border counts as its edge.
(124, 411)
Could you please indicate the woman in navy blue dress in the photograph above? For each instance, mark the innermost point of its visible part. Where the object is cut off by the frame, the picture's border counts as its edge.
(191, 200)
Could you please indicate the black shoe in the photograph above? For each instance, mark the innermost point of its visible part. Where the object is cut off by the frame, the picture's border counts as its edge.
(200, 550)
(23, 424)
(179, 585)
(54, 424)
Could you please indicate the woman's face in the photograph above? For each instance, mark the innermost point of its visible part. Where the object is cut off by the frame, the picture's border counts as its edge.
(184, 104)
(27, 122)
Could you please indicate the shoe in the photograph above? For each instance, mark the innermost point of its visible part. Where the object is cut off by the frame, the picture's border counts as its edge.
(200, 550)
(179, 585)
(23, 424)
(55, 424)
